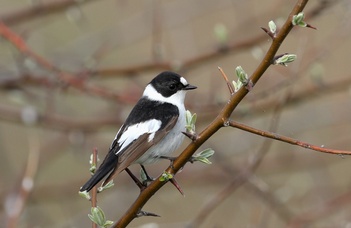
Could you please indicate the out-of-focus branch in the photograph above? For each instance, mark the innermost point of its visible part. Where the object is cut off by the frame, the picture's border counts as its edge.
(16, 199)
(75, 81)
(58, 122)
(320, 211)
(39, 9)
(244, 175)
(234, 46)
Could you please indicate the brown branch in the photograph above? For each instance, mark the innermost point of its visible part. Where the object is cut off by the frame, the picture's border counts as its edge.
(229, 85)
(220, 121)
(286, 139)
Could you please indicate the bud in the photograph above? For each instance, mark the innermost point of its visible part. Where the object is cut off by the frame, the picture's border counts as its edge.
(241, 74)
(284, 59)
(272, 27)
(298, 20)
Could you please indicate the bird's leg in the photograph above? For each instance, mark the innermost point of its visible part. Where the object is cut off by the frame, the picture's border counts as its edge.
(173, 180)
(135, 179)
(148, 178)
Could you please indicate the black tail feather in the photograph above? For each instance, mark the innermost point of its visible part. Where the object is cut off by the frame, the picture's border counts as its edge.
(107, 166)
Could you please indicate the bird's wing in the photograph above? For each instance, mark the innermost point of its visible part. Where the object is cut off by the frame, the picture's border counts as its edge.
(137, 145)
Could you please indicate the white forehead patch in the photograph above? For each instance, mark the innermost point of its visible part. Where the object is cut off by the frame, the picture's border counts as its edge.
(183, 81)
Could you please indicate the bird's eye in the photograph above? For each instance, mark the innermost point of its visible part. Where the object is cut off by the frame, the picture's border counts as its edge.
(172, 87)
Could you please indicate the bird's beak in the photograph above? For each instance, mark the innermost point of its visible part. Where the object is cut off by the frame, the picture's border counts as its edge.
(189, 87)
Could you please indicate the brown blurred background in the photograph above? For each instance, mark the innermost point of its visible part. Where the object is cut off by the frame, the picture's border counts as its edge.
(48, 127)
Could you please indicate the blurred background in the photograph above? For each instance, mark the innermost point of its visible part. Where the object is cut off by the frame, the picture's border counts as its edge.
(87, 63)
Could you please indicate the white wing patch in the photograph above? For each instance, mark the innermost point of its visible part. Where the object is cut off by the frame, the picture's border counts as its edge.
(133, 132)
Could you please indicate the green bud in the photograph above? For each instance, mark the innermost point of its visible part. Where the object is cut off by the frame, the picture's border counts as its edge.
(108, 223)
(110, 184)
(190, 121)
(97, 216)
(203, 156)
(165, 176)
(272, 27)
(92, 169)
(241, 74)
(84, 194)
(298, 20)
(237, 85)
(285, 59)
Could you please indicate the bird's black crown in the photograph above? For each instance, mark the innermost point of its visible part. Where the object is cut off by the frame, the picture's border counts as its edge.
(168, 83)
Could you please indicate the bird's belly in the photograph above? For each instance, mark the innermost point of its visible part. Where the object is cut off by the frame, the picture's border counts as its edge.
(168, 144)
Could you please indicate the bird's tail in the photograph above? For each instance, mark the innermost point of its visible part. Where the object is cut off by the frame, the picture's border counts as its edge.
(107, 166)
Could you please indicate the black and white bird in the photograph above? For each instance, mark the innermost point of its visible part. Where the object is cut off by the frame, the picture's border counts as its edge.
(152, 130)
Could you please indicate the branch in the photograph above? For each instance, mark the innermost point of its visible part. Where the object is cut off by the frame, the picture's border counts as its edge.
(220, 121)
(207, 57)
(321, 211)
(39, 10)
(66, 77)
(286, 139)
(243, 176)
(16, 200)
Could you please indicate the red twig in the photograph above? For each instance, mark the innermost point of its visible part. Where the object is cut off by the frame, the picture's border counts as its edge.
(94, 190)
(230, 86)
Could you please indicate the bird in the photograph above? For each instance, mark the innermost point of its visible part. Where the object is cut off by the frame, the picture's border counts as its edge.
(152, 130)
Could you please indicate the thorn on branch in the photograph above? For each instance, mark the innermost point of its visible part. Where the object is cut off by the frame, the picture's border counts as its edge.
(191, 136)
(145, 213)
(230, 86)
(299, 21)
(272, 32)
(177, 186)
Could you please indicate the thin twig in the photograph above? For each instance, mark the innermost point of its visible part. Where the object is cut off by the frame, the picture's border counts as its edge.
(230, 86)
(286, 139)
(94, 189)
